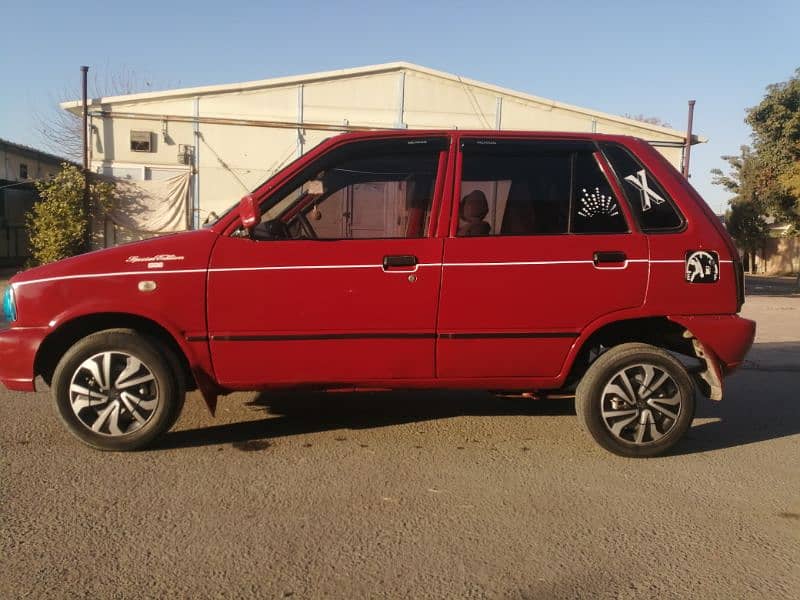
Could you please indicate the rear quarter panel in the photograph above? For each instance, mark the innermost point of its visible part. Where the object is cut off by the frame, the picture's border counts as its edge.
(668, 291)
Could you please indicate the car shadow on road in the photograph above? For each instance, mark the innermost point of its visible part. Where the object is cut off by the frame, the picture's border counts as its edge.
(298, 413)
(762, 402)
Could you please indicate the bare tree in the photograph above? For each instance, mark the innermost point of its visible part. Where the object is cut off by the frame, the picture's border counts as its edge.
(60, 130)
(645, 119)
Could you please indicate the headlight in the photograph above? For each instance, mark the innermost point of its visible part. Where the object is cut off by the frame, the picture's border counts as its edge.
(9, 305)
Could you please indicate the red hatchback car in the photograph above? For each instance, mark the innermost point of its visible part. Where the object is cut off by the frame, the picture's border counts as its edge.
(511, 261)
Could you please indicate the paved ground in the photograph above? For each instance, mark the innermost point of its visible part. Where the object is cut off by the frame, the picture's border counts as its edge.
(761, 285)
(414, 495)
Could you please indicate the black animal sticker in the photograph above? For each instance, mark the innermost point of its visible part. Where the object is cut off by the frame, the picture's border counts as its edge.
(702, 266)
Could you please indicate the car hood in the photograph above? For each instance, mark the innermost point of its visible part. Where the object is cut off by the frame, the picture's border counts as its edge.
(180, 251)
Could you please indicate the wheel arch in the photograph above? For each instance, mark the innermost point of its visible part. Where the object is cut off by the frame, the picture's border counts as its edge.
(69, 332)
(659, 331)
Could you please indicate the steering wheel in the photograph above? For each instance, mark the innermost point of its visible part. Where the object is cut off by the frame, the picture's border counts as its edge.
(271, 230)
(306, 225)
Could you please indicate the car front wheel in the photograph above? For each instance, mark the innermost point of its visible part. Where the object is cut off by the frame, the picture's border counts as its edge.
(116, 390)
(636, 400)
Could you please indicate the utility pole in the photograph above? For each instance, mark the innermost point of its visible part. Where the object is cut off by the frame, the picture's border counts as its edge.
(688, 148)
(86, 203)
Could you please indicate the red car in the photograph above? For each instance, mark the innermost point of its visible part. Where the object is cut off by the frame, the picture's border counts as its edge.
(513, 261)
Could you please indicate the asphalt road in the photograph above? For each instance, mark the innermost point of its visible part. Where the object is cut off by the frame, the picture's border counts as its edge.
(413, 496)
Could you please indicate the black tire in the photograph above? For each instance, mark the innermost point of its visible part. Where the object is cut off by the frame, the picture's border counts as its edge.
(597, 401)
(81, 400)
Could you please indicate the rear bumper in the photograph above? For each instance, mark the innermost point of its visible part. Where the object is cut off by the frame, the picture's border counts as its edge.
(729, 337)
(18, 347)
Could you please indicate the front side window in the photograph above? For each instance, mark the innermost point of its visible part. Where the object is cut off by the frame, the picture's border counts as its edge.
(650, 204)
(511, 187)
(367, 190)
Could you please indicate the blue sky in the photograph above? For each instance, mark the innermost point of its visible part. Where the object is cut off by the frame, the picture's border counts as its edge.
(620, 57)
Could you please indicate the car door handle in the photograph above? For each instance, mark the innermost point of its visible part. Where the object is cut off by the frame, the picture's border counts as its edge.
(399, 261)
(610, 256)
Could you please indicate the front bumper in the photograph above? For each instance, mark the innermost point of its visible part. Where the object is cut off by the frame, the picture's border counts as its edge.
(18, 346)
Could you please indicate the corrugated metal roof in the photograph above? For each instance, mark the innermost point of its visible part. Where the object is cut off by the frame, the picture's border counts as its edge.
(75, 105)
(28, 150)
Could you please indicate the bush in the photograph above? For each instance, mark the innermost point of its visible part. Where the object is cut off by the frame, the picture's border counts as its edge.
(58, 225)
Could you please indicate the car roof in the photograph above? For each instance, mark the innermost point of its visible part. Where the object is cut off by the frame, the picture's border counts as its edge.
(579, 135)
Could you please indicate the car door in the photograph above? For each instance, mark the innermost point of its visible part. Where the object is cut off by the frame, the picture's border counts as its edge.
(340, 281)
(540, 247)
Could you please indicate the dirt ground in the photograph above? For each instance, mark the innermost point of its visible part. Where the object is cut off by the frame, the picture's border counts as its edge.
(458, 495)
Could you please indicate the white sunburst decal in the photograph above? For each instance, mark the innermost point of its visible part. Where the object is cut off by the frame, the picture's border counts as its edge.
(594, 203)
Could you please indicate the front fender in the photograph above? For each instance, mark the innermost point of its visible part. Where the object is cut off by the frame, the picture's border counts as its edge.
(194, 348)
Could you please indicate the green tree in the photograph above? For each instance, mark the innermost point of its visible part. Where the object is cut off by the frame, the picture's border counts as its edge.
(776, 138)
(747, 226)
(746, 216)
(58, 225)
(742, 178)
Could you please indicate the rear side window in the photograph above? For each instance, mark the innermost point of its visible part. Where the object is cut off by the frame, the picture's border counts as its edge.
(651, 205)
(595, 207)
(513, 187)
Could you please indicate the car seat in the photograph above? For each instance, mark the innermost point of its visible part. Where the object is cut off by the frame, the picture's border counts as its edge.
(474, 209)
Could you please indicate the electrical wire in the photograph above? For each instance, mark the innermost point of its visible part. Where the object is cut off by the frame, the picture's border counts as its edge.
(18, 183)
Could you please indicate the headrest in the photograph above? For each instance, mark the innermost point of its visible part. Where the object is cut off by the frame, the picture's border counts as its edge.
(474, 206)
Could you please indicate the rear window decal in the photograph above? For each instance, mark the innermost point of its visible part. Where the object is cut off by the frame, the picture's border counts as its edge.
(639, 180)
(702, 266)
(595, 203)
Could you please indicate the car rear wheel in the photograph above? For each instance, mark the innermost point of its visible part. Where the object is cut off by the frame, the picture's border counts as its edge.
(117, 390)
(636, 400)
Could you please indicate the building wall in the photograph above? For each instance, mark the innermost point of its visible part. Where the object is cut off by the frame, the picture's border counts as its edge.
(781, 256)
(10, 161)
(17, 200)
(233, 159)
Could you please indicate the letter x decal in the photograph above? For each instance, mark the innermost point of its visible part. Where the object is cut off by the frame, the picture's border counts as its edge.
(639, 181)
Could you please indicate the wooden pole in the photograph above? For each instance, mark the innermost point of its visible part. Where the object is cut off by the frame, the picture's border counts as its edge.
(86, 202)
(688, 150)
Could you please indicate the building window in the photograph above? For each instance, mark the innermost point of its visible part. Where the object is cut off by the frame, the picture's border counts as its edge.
(141, 141)
(23, 171)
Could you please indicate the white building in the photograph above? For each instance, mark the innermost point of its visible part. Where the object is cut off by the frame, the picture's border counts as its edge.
(215, 143)
(20, 168)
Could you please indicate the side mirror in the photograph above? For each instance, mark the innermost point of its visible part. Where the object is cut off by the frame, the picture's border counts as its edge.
(248, 212)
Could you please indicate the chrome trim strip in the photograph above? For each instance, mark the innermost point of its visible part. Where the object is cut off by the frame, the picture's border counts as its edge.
(361, 266)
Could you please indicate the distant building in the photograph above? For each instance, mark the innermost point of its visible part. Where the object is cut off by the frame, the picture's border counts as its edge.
(20, 167)
(224, 140)
(781, 252)
(778, 255)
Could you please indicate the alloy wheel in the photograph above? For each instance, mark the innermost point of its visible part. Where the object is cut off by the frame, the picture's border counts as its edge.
(113, 393)
(641, 404)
